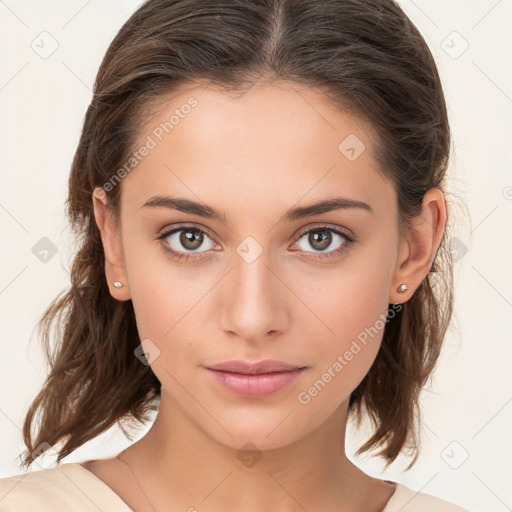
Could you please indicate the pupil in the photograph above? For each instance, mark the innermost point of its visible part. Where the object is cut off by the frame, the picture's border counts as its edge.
(187, 239)
(324, 237)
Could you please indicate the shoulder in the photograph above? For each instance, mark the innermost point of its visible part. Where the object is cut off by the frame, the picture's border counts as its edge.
(405, 499)
(66, 487)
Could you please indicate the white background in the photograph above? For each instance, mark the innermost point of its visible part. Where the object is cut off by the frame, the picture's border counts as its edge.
(468, 410)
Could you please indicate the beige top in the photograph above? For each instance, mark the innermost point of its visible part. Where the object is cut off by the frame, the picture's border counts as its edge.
(69, 487)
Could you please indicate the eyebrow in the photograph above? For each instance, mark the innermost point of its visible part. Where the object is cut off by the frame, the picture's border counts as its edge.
(301, 212)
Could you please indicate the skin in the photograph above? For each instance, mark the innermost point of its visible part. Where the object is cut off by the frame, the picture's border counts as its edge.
(253, 156)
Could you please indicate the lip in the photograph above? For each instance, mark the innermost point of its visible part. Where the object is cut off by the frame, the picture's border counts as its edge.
(255, 380)
(248, 368)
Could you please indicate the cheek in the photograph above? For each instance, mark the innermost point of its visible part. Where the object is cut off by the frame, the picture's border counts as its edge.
(160, 291)
(166, 308)
(351, 305)
(171, 303)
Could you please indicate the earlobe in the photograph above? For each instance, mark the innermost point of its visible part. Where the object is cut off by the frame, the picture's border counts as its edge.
(402, 288)
(419, 247)
(114, 264)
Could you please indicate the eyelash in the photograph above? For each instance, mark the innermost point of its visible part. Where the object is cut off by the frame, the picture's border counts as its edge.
(178, 256)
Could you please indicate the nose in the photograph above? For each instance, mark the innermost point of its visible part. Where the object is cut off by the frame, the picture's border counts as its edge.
(254, 305)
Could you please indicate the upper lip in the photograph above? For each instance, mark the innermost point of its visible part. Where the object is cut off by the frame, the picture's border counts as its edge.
(266, 366)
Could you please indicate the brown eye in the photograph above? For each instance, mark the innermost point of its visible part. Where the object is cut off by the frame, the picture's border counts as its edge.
(321, 239)
(185, 239)
(191, 239)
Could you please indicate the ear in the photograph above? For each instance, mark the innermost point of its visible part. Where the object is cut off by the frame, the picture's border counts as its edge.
(419, 246)
(111, 238)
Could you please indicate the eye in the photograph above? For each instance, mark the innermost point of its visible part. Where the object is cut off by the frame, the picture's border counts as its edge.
(182, 242)
(185, 238)
(323, 237)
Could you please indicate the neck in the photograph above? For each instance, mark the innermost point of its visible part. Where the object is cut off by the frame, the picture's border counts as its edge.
(179, 463)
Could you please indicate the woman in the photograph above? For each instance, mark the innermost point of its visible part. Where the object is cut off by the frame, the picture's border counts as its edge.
(259, 198)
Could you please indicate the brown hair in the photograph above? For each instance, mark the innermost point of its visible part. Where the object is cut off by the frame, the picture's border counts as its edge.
(371, 61)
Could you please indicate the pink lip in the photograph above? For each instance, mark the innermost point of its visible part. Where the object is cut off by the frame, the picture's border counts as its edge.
(255, 380)
(265, 366)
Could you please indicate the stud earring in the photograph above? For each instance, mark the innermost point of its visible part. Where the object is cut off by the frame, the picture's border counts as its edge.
(402, 288)
(118, 284)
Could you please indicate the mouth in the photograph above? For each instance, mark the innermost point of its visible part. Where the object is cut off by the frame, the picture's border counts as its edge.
(256, 380)
(260, 367)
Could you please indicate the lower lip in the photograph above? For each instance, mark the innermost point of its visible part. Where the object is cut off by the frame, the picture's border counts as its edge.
(256, 385)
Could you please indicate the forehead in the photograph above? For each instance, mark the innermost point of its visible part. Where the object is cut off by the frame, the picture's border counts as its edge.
(282, 141)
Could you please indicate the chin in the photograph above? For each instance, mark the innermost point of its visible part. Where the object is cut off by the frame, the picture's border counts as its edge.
(264, 432)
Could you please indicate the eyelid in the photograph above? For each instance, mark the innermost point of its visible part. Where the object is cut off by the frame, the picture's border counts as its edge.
(300, 232)
(319, 225)
(169, 230)
(344, 232)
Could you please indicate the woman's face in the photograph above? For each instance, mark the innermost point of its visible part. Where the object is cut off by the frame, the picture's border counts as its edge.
(255, 282)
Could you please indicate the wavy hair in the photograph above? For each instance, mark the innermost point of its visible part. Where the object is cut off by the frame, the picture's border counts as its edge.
(371, 61)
